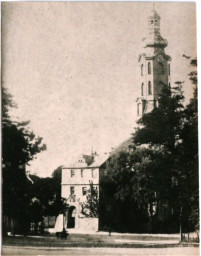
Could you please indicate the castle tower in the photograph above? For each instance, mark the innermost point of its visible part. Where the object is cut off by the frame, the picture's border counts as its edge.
(154, 66)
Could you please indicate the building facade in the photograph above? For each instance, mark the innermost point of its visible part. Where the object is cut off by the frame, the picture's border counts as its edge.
(77, 180)
(154, 66)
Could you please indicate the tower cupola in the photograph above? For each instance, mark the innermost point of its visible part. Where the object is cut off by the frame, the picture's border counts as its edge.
(154, 38)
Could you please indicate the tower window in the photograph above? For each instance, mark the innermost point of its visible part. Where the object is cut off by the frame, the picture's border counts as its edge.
(82, 172)
(72, 172)
(142, 70)
(142, 89)
(92, 173)
(149, 88)
(143, 106)
(160, 68)
(138, 109)
(169, 69)
(149, 68)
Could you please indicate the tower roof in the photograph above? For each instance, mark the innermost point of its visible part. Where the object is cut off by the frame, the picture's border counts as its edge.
(154, 38)
(154, 15)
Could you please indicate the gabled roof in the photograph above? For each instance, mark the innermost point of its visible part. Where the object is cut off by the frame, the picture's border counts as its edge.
(100, 160)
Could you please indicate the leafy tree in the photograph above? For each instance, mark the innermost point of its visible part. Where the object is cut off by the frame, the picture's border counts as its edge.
(91, 205)
(189, 150)
(19, 146)
(162, 126)
(174, 129)
(141, 179)
(46, 197)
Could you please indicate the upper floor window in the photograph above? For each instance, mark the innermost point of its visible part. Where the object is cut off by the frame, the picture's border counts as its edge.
(92, 173)
(142, 69)
(149, 68)
(142, 89)
(72, 172)
(149, 88)
(82, 172)
(72, 190)
(84, 191)
(160, 68)
(169, 69)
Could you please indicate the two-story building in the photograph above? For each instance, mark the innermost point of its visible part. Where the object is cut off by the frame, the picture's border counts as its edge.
(75, 184)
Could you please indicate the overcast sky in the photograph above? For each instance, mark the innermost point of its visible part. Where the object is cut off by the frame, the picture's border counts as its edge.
(72, 69)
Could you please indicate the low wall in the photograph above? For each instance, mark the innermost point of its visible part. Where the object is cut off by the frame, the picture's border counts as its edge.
(87, 224)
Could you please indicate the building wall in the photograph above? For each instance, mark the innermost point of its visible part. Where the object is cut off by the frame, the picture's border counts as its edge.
(159, 78)
(80, 179)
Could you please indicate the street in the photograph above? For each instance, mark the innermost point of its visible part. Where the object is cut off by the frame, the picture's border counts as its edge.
(183, 251)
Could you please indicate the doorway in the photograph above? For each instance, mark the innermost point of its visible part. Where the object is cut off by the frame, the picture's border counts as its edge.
(71, 217)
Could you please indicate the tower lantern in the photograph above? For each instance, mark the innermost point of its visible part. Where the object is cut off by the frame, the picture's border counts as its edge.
(154, 23)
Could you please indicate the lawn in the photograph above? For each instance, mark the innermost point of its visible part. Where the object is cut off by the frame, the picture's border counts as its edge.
(85, 240)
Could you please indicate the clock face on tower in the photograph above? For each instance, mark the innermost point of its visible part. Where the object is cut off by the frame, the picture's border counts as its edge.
(160, 58)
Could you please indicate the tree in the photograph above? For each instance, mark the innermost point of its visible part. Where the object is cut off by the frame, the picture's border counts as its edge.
(173, 128)
(46, 197)
(141, 181)
(19, 146)
(162, 126)
(189, 150)
(90, 207)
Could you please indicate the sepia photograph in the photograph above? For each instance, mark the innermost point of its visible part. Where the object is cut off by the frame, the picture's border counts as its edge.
(99, 128)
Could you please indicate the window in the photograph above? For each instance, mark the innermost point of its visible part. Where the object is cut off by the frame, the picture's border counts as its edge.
(149, 88)
(160, 68)
(142, 89)
(84, 191)
(149, 68)
(142, 70)
(72, 172)
(169, 86)
(82, 172)
(72, 190)
(169, 69)
(138, 109)
(143, 106)
(92, 173)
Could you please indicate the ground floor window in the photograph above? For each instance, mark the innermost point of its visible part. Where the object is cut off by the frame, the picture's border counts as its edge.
(72, 190)
(84, 191)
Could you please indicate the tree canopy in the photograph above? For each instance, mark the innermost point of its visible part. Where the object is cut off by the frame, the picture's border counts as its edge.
(19, 146)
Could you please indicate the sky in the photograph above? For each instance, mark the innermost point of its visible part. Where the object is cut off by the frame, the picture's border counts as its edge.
(73, 72)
